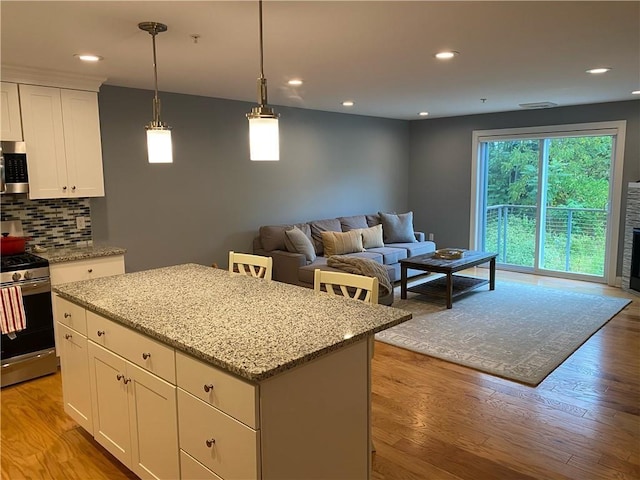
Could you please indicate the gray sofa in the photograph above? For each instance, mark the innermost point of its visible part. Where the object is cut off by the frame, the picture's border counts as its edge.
(296, 268)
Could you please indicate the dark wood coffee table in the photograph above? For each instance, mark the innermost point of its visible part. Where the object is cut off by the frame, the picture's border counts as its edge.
(452, 285)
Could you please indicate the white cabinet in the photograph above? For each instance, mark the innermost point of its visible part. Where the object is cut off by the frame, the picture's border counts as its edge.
(110, 402)
(77, 270)
(167, 415)
(219, 442)
(190, 469)
(218, 418)
(134, 415)
(10, 120)
(62, 131)
(74, 362)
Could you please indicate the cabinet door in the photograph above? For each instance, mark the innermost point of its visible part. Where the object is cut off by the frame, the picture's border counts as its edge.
(10, 121)
(74, 363)
(153, 424)
(110, 399)
(44, 135)
(83, 147)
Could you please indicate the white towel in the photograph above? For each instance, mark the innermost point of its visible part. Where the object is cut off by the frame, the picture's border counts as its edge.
(12, 316)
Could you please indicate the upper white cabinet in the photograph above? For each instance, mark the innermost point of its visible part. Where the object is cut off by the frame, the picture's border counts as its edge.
(62, 134)
(11, 124)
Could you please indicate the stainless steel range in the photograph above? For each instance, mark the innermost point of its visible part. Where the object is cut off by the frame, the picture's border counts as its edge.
(32, 352)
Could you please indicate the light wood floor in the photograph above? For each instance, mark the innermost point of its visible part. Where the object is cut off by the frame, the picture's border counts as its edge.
(431, 419)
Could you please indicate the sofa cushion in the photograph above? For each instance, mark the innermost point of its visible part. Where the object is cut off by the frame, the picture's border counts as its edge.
(353, 223)
(390, 254)
(297, 241)
(272, 237)
(339, 243)
(415, 248)
(373, 219)
(372, 237)
(397, 228)
(319, 226)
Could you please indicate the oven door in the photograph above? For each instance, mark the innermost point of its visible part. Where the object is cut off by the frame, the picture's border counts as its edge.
(36, 296)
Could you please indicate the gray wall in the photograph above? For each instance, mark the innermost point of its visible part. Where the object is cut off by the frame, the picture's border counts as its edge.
(213, 199)
(440, 166)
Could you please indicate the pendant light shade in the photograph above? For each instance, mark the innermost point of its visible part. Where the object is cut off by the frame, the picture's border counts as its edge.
(159, 147)
(264, 136)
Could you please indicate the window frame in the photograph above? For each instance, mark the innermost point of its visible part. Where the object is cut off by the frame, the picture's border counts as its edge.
(615, 128)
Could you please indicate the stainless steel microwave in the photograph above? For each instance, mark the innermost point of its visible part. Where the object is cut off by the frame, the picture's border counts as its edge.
(14, 177)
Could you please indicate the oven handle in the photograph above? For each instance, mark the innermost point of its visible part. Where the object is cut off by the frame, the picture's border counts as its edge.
(26, 359)
(36, 287)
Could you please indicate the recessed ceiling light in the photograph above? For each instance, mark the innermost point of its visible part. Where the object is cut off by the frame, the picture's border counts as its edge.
(423, 114)
(635, 92)
(348, 103)
(599, 70)
(295, 81)
(446, 55)
(88, 58)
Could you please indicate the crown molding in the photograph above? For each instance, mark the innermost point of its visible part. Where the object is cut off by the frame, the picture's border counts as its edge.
(50, 78)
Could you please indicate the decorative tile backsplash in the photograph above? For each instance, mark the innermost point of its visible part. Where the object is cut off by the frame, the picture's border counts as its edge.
(52, 222)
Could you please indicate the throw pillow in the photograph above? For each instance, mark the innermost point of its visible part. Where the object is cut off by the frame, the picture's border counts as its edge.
(297, 241)
(339, 243)
(397, 228)
(372, 237)
(373, 219)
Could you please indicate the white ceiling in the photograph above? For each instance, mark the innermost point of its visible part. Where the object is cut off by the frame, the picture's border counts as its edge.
(376, 53)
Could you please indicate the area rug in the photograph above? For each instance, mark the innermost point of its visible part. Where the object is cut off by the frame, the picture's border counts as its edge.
(517, 331)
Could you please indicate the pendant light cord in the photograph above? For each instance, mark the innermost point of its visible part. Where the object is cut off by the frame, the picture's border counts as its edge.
(262, 82)
(156, 101)
(261, 45)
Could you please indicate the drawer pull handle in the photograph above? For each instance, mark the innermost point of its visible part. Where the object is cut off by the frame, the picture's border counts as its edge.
(208, 388)
(145, 356)
(67, 336)
(119, 376)
(101, 332)
(67, 315)
(210, 443)
(127, 380)
(90, 270)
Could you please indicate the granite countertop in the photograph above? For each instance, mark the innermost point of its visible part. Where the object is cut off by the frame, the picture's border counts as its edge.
(251, 327)
(70, 254)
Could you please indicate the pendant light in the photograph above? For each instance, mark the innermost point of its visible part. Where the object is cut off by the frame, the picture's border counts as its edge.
(264, 142)
(159, 146)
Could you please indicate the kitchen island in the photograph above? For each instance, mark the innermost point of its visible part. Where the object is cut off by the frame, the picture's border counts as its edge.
(222, 376)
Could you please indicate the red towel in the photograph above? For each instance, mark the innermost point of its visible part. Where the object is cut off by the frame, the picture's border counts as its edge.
(12, 316)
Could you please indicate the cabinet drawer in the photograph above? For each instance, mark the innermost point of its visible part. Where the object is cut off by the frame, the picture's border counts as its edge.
(135, 347)
(86, 269)
(191, 469)
(71, 315)
(234, 451)
(230, 394)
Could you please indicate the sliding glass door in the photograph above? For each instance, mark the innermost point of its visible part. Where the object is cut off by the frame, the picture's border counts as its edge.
(543, 201)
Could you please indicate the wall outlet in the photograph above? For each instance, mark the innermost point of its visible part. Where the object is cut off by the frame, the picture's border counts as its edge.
(81, 223)
(431, 237)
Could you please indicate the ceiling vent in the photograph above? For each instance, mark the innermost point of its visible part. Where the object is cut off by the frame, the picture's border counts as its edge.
(534, 105)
